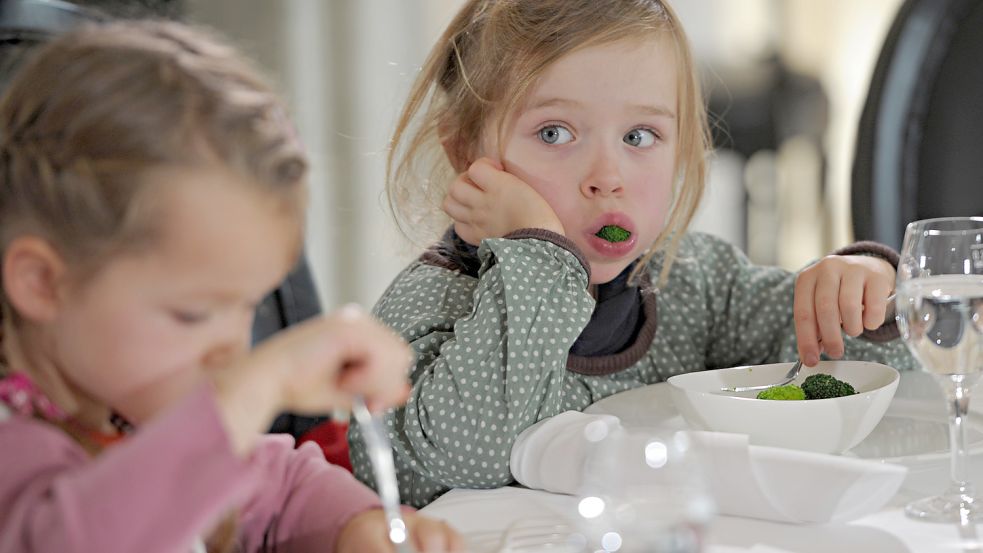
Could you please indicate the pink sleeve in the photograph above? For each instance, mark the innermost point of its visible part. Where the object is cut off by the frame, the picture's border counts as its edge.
(155, 492)
(305, 501)
(165, 486)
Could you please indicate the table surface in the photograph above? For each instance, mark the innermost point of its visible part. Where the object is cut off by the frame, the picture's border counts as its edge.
(912, 433)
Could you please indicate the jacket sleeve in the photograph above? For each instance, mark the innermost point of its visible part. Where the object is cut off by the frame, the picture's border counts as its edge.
(491, 360)
(165, 486)
(750, 314)
(303, 503)
(155, 492)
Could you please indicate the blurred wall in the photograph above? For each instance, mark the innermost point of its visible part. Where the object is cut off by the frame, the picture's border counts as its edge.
(346, 65)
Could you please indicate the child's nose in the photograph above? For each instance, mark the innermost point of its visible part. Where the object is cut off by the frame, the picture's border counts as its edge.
(604, 178)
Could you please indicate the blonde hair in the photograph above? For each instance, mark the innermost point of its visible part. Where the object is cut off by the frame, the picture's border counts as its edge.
(485, 64)
(97, 108)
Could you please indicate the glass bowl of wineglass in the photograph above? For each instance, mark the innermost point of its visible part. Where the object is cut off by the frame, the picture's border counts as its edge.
(643, 491)
(940, 315)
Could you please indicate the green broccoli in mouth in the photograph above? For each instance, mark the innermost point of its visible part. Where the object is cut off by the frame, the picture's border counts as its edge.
(613, 233)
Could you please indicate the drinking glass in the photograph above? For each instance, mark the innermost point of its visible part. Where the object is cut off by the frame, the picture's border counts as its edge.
(644, 491)
(940, 315)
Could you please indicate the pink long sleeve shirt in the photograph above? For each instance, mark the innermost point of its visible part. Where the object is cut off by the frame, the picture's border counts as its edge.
(163, 487)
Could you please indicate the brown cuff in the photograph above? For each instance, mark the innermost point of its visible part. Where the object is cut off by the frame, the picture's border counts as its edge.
(889, 330)
(609, 364)
(550, 236)
(874, 249)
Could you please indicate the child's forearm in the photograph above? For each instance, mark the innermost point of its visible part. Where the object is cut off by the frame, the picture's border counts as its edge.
(247, 401)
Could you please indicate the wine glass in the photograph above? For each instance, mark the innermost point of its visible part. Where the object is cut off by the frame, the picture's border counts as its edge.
(643, 491)
(940, 315)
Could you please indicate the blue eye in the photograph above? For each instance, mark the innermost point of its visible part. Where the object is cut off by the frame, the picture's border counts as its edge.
(640, 138)
(555, 134)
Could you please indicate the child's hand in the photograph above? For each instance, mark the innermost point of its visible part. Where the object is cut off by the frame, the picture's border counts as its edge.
(366, 533)
(313, 367)
(330, 359)
(848, 292)
(487, 202)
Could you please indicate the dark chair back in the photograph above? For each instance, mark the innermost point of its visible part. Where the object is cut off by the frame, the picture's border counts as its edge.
(919, 151)
(293, 301)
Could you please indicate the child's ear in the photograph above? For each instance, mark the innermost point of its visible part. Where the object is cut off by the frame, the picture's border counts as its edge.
(33, 272)
(454, 147)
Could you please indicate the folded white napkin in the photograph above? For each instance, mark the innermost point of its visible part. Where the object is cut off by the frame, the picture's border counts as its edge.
(744, 480)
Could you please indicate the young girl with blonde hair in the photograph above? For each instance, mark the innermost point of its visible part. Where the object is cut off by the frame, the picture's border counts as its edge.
(567, 141)
(152, 191)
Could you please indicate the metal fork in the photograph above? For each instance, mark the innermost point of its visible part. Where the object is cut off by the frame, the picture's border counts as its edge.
(381, 456)
(789, 376)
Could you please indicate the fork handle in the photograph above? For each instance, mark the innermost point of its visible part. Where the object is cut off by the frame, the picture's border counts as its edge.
(756, 388)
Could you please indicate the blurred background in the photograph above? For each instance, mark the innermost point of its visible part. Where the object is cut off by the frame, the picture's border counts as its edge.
(785, 80)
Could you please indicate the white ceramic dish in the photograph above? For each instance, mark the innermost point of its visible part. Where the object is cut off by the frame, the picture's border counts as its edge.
(824, 426)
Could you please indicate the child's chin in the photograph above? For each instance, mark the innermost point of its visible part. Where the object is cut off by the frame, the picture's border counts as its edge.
(602, 273)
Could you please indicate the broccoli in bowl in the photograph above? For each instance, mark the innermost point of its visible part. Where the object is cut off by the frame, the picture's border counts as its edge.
(816, 386)
(786, 392)
(824, 386)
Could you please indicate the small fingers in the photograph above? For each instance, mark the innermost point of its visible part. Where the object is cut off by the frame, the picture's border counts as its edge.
(484, 170)
(851, 303)
(461, 198)
(875, 304)
(804, 316)
(455, 209)
(828, 316)
(435, 536)
(375, 362)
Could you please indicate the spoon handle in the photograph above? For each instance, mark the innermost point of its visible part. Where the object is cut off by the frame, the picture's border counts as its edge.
(381, 456)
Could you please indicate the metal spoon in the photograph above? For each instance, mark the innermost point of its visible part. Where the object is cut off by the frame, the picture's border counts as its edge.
(381, 455)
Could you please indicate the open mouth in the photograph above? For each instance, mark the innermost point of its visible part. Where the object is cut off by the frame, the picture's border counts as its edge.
(613, 233)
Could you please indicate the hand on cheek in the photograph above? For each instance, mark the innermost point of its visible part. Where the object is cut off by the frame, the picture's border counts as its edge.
(839, 294)
(487, 202)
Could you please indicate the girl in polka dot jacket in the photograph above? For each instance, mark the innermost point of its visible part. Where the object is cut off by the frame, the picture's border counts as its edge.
(573, 137)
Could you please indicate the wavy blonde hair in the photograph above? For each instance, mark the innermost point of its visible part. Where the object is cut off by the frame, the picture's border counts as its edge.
(97, 108)
(482, 68)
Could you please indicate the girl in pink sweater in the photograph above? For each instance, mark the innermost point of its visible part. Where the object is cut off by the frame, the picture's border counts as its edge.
(151, 193)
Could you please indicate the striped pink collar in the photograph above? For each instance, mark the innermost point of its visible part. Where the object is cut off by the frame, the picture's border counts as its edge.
(22, 396)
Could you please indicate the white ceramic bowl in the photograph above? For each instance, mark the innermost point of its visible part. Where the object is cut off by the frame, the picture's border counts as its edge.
(823, 425)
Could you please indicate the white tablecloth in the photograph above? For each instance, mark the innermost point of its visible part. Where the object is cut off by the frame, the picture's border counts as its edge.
(912, 433)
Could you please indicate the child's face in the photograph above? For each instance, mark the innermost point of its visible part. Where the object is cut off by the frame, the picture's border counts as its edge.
(139, 335)
(597, 139)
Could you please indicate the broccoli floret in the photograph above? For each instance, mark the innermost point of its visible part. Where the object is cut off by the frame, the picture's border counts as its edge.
(786, 392)
(613, 233)
(822, 386)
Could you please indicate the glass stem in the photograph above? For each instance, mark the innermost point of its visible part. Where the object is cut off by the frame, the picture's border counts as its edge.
(957, 387)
